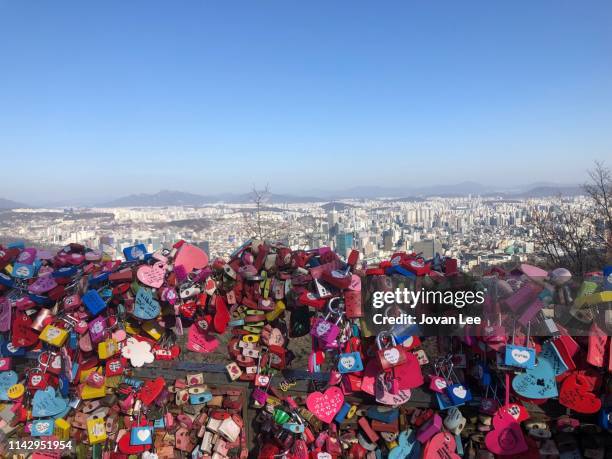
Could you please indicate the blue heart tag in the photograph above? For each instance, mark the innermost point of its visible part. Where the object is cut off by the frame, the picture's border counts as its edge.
(146, 307)
(408, 447)
(7, 379)
(47, 403)
(537, 382)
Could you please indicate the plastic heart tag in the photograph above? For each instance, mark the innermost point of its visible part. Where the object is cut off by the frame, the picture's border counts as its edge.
(576, 394)
(386, 397)
(153, 276)
(506, 436)
(198, 341)
(42, 284)
(151, 390)
(7, 379)
(537, 382)
(441, 446)
(46, 403)
(146, 307)
(191, 257)
(23, 335)
(407, 447)
(438, 384)
(325, 405)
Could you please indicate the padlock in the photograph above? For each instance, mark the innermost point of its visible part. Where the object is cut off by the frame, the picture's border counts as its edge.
(325, 330)
(96, 430)
(459, 394)
(54, 335)
(392, 356)
(350, 362)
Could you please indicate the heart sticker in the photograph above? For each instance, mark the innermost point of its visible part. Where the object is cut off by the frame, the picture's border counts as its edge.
(391, 355)
(325, 405)
(506, 436)
(520, 356)
(146, 307)
(191, 257)
(576, 394)
(537, 382)
(46, 403)
(7, 379)
(153, 276)
(348, 362)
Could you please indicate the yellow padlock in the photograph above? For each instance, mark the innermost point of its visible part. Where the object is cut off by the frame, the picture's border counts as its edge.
(250, 338)
(351, 412)
(266, 291)
(153, 329)
(96, 430)
(108, 348)
(276, 312)
(88, 392)
(54, 335)
(62, 429)
(132, 329)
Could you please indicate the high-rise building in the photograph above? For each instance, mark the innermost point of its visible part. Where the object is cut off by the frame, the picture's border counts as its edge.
(344, 243)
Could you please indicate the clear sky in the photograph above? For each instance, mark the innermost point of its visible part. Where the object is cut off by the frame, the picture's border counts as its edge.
(113, 97)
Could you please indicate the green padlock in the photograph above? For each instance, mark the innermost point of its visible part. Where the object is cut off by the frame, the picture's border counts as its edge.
(280, 416)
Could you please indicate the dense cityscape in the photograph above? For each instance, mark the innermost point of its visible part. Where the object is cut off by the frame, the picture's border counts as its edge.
(479, 232)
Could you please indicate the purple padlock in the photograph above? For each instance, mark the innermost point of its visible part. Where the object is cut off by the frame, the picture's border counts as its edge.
(42, 285)
(259, 396)
(97, 329)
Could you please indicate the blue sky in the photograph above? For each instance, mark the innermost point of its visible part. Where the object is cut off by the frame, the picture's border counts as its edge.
(117, 97)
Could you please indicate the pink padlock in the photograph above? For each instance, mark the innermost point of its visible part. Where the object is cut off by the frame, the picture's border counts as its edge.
(429, 429)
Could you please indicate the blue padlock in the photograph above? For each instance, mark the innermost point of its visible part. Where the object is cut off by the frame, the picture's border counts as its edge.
(198, 399)
(519, 356)
(341, 415)
(135, 252)
(6, 280)
(159, 423)
(382, 414)
(444, 402)
(93, 302)
(350, 362)
(141, 435)
(23, 271)
(42, 427)
(458, 394)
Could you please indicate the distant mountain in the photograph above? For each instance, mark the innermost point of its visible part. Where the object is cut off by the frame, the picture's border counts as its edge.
(6, 204)
(179, 198)
(340, 206)
(555, 190)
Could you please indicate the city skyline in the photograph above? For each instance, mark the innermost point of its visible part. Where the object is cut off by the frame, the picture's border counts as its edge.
(114, 99)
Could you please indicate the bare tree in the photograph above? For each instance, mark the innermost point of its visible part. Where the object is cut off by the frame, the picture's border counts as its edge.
(600, 191)
(260, 221)
(567, 238)
(579, 238)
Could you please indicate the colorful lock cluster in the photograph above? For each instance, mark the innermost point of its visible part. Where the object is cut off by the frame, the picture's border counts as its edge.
(79, 328)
